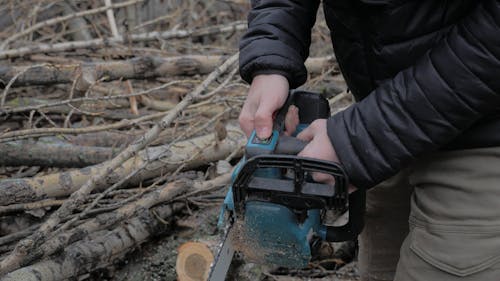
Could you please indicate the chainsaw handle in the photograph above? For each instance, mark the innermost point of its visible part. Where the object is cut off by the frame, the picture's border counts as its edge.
(289, 145)
(355, 225)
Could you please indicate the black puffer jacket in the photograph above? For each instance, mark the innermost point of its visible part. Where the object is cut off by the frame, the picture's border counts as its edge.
(426, 73)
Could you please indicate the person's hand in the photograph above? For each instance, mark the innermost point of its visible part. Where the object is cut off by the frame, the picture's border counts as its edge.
(319, 147)
(267, 94)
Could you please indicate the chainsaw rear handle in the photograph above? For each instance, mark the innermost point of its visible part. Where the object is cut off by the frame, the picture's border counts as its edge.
(349, 231)
(356, 222)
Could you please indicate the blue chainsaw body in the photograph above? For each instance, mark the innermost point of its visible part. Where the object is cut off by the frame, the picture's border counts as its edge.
(279, 207)
(274, 230)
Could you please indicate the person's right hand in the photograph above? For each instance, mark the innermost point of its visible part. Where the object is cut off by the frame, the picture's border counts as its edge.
(267, 94)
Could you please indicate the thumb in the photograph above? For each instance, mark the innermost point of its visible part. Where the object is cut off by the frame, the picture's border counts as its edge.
(264, 119)
(307, 134)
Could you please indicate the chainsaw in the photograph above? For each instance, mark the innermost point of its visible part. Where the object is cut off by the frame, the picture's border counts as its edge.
(274, 212)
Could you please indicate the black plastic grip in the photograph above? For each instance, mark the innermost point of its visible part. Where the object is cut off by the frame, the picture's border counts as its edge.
(311, 106)
(356, 222)
(289, 145)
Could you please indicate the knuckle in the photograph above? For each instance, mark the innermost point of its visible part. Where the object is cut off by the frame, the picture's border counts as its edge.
(244, 118)
(261, 116)
(316, 124)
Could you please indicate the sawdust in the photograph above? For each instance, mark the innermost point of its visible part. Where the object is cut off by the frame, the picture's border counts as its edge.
(248, 243)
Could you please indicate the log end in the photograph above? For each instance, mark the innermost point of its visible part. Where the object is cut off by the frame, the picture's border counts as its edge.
(193, 262)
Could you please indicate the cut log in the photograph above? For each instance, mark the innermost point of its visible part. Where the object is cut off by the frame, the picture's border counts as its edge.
(193, 261)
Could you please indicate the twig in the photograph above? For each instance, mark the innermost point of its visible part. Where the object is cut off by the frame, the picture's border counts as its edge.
(111, 18)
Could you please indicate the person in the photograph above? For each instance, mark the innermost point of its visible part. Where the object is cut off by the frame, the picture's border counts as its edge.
(426, 78)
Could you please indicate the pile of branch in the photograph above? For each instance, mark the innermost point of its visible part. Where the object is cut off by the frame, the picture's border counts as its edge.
(114, 114)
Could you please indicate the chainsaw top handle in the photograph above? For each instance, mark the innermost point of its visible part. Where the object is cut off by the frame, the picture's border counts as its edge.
(311, 106)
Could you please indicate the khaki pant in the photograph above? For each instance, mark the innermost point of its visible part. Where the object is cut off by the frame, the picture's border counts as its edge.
(454, 220)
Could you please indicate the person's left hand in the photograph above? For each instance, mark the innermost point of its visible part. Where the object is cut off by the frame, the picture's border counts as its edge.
(319, 147)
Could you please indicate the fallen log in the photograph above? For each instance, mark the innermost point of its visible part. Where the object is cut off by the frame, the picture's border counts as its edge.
(103, 139)
(100, 250)
(24, 153)
(193, 153)
(136, 68)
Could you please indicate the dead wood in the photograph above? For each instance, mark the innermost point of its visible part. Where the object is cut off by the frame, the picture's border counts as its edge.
(193, 261)
(35, 240)
(39, 132)
(78, 24)
(136, 68)
(25, 153)
(103, 221)
(30, 206)
(102, 139)
(12, 15)
(100, 249)
(194, 152)
(67, 17)
(108, 42)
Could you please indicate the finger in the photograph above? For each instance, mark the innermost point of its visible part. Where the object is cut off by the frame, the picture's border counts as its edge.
(246, 118)
(264, 118)
(307, 134)
(323, 178)
(291, 120)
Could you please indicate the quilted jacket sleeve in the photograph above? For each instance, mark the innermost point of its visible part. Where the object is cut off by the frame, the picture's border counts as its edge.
(424, 106)
(278, 39)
